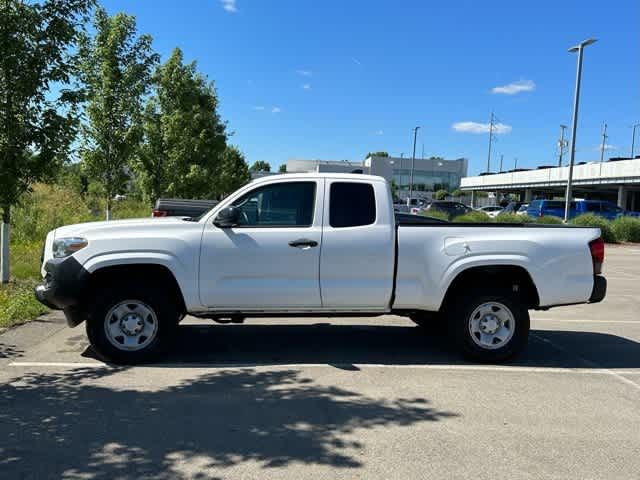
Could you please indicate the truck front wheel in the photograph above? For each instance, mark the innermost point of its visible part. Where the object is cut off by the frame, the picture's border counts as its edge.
(489, 326)
(131, 324)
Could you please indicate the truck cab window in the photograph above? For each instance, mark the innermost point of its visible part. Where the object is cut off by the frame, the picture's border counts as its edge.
(287, 204)
(351, 204)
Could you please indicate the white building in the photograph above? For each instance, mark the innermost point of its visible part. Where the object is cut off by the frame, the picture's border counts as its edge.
(429, 175)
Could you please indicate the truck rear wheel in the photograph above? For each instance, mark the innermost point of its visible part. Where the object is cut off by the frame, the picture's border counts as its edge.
(131, 324)
(489, 325)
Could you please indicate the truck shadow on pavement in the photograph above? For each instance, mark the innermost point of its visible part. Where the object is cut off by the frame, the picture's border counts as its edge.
(84, 423)
(345, 346)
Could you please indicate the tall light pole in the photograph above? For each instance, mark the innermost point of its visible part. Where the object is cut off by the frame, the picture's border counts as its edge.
(413, 160)
(633, 138)
(501, 158)
(574, 122)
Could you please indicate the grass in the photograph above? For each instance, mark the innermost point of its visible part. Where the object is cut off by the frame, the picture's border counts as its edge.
(48, 207)
(17, 303)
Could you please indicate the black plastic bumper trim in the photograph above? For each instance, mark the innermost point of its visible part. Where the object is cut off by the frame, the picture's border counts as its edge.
(599, 289)
(63, 287)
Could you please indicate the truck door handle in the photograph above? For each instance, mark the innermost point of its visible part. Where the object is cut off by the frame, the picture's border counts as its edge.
(303, 243)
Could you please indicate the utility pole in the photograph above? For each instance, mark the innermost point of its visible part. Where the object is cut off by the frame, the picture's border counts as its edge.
(562, 144)
(574, 122)
(401, 168)
(515, 163)
(413, 160)
(633, 138)
(490, 141)
(501, 158)
(604, 142)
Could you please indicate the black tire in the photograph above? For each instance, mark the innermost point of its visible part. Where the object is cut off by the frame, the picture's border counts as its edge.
(462, 309)
(154, 298)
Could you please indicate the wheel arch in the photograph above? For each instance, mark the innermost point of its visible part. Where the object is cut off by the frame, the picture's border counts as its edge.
(516, 278)
(146, 272)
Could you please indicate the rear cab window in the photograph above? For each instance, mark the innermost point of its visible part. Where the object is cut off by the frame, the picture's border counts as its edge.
(351, 204)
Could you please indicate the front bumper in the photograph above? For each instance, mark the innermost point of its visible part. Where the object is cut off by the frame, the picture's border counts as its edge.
(599, 289)
(63, 287)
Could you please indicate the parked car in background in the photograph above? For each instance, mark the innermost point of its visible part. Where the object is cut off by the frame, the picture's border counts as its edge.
(602, 208)
(491, 210)
(452, 209)
(523, 209)
(512, 207)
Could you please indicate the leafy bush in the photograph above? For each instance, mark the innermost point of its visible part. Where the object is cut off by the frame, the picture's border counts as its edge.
(512, 218)
(626, 229)
(435, 213)
(441, 194)
(473, 217)
(547, 220)
(590, 220)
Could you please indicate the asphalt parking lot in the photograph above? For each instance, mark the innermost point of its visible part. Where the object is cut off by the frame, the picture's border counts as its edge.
(322, 398)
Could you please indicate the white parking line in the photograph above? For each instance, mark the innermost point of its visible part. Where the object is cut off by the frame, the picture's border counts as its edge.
(588, 362)
(487, 368)
(580, 320)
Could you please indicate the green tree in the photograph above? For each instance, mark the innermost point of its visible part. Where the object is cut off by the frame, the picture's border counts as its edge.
(441, 194)
(260, 166)
(377, 154)
(233, 171)
(37, 122)
(184, 139)
(282, 168)
(115, 67)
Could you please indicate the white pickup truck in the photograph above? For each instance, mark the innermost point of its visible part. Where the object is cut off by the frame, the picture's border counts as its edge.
(314, 245)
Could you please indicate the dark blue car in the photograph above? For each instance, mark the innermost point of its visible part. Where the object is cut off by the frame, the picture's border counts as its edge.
(602, 208)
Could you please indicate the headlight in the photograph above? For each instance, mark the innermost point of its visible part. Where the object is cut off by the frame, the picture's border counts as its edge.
(63, 247)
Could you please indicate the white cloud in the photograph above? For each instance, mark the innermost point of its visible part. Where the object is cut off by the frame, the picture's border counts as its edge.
(229, 5)
(606, 147)
(258, 107)
(306, 86)
(379, 132)
(304, 73)
(475, 127)
(515, 87)
(276, 110)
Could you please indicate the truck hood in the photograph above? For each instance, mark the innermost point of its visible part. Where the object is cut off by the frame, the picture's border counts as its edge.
(99, 228)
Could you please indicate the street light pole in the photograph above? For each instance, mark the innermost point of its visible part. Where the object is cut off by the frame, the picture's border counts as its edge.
(413, 159)
(633, 138)
(574, 122)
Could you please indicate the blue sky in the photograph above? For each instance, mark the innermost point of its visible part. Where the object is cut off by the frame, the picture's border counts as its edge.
(335, 79)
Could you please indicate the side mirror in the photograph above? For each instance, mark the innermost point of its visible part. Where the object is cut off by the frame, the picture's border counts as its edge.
(227, 217)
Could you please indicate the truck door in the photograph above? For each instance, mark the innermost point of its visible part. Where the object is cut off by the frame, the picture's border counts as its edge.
(358, 245)
(271, 259)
